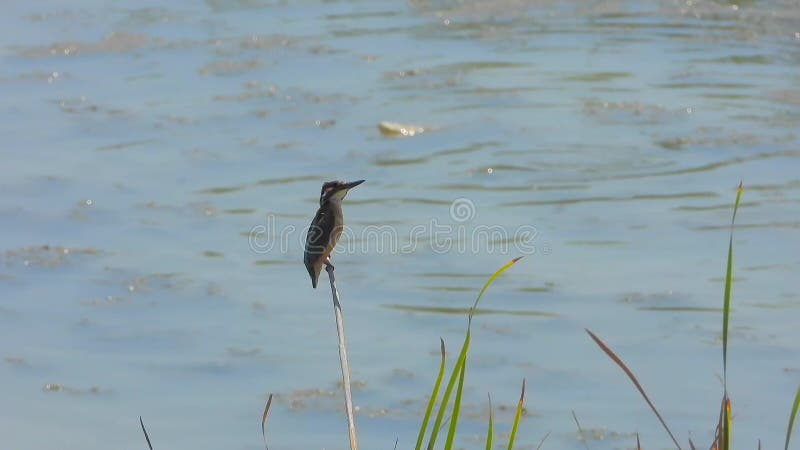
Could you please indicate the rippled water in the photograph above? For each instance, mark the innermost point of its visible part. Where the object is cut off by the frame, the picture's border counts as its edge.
(143, 144)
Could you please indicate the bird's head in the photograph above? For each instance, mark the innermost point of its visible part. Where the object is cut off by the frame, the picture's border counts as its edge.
(336, 190)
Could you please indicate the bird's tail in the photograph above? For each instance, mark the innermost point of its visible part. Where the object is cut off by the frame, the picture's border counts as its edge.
(314, 274)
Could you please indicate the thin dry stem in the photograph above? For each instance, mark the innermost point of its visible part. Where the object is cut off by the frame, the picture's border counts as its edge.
(348, 397)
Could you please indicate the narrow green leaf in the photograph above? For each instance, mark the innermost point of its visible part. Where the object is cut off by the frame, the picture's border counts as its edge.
(726, 307)
(462, 356)
(451, 433)
(490, 432)
(517, 416)
(726, 432)
(490, 281)
(432, 400)
(719, 431)
(791, 418)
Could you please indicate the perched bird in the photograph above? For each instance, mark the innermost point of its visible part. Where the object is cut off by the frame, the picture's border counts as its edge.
(326, 227)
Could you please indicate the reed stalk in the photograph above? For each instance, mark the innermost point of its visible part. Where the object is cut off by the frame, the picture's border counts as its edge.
(348, 397)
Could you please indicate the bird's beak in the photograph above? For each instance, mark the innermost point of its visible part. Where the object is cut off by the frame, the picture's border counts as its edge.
(353, 184)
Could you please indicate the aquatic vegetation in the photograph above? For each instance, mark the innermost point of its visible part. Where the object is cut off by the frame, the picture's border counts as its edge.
(459, 372)
(722, 438)
(455, 382)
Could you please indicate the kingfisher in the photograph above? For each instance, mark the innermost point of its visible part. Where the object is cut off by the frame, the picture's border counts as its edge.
(326, 227)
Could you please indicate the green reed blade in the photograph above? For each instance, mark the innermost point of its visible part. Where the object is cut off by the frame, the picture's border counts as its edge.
(791, 418)
(451, 433)
(717, 444)
(432, 400)
(490, 431)
(462, 356)
(727, 297)
(490, 281)
(726, 432)
(517, 416)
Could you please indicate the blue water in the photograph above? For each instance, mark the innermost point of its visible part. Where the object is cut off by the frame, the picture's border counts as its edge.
(146, 147)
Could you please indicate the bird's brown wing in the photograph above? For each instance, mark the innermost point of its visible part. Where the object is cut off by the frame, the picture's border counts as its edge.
(316, 243)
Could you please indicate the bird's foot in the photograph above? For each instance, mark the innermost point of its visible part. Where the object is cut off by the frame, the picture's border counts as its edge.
(329, 265)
